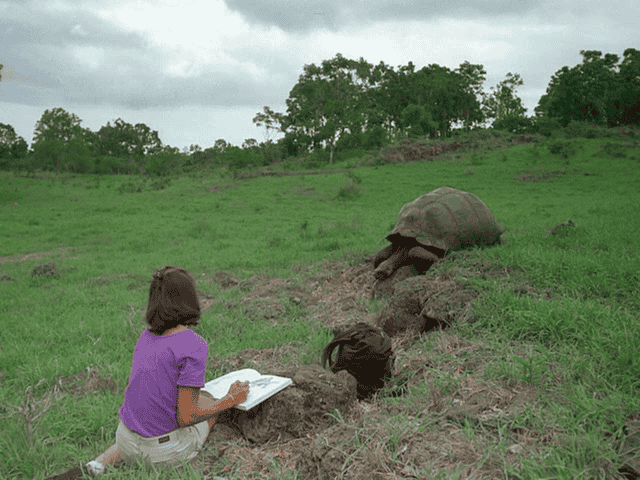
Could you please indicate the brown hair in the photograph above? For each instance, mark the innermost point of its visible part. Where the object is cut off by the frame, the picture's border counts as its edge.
(173, 300)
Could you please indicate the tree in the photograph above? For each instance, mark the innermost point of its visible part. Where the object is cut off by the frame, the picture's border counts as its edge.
(250, 144)
(502, 102)
(270, 120)
(123, 139)
(57, 125)
(328, 101)
(446, 95)
(221, 145)
(12, 146)
(60, 142)
(8, 140)
(418, 121)
(625, 107)
(473, 77)
(592, 91)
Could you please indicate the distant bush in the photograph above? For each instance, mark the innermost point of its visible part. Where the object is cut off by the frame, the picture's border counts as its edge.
(377, 137)
(546, 126)
(349, 154)
(130, 187)
(576, 129)
(349, 141)
(161, 183)
(514, 124)
(354, 178)
(349, 191)
(562, 148)
(614, 150)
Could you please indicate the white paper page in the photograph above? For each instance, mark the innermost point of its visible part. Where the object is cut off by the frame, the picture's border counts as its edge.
(219, 387)
(261, 387)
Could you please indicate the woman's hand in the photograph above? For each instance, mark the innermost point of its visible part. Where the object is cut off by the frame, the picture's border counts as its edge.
(238, 392)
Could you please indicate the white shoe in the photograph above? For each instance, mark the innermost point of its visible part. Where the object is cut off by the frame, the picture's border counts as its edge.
(95, 468)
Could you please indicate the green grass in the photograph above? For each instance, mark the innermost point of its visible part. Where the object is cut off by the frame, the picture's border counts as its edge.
(107, 235)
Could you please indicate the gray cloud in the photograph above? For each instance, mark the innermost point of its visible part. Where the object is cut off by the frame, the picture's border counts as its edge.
(299, 16)
(39, 49)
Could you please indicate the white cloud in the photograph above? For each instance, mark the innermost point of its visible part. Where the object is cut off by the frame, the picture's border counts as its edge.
(79, 31)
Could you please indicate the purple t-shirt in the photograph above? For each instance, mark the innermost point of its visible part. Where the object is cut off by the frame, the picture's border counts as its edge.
(160, 364)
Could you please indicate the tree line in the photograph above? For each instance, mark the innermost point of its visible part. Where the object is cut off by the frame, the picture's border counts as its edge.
(342, 106)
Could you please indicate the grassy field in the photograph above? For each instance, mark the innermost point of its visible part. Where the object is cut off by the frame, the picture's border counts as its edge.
(572, 359)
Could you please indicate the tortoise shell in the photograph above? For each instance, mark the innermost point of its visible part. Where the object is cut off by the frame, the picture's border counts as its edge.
(446, 219)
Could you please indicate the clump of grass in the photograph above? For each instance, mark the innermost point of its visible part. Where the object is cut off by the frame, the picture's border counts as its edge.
(354, 178)
(562, 148)
(476, 159)
(614, 150)
(349, 191)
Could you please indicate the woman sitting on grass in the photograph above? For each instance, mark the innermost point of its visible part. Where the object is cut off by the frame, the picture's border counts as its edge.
(166, 418)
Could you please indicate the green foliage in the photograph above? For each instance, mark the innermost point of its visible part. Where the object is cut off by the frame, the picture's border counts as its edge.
(418, 121)
(503, 103)
(514, 124)
(576, 129)
(594, 91)
(349, 191)
(125, 140)
(563, 148)
(614, 150)
(546, 126)
(58, 125)
(12, 146)
(377, 137)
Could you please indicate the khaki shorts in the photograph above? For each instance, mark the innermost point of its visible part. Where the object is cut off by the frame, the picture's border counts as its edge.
(171, 449)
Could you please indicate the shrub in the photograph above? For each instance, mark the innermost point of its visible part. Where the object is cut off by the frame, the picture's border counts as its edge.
(576, 129)
(614, 150)
(375, 138)
(546, 126)
(349, 191)
(514, 124)
(564, 149)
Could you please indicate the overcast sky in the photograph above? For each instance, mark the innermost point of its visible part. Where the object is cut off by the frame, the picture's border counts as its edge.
(199, 70)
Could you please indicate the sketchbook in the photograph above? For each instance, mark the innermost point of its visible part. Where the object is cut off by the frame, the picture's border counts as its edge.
(261, 387)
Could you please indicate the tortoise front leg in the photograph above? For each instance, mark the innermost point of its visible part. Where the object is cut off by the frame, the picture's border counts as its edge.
(391, 264)
(382, 255)
(421, 258)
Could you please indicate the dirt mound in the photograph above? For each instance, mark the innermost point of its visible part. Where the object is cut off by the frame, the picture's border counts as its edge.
(48, 270)
(414, 151)
(341, 299)
(299, 410)
(425, 302)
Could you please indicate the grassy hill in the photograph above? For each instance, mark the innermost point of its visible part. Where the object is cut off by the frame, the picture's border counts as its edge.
(544, 383)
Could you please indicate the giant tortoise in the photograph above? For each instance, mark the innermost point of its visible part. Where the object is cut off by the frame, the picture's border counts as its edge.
(433, 224)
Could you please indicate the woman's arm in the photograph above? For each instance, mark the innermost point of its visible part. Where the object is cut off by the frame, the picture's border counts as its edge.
(195, 406)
